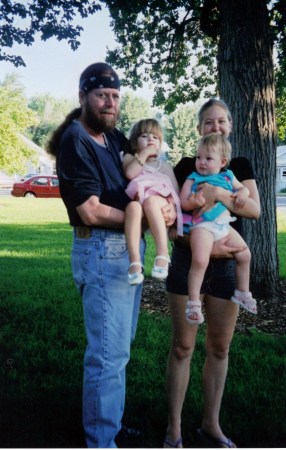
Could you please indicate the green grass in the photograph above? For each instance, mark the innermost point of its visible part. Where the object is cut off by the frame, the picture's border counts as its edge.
(42, 343)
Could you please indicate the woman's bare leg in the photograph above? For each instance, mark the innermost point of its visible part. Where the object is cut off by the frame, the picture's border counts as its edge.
(221, 318)
(178, 366)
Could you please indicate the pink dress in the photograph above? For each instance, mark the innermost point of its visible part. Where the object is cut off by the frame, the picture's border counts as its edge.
(151, 181)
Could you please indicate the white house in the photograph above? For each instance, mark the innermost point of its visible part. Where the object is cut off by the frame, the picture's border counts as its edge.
(281, 168)
(45, 164)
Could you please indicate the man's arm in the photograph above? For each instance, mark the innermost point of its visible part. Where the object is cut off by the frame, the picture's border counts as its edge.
(94, 213)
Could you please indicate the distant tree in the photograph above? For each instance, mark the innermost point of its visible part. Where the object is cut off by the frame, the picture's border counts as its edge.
(15, 117)
(12, 81)
(181, 132)
(132, 109)
(50, 112)
(21, 21)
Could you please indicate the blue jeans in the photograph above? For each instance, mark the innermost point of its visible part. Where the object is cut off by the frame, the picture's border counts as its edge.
(110, 306)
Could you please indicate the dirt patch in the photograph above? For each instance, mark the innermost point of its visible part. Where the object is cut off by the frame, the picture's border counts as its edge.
(271, 317)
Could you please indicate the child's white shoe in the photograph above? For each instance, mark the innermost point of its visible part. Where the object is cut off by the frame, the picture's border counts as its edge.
(158, 272)
(245, 300)
(136, 277)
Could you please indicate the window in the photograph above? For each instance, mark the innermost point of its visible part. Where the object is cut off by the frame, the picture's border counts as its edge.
(54, 182)
(41, 181)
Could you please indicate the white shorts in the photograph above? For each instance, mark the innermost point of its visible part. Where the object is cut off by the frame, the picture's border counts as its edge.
(219, 230)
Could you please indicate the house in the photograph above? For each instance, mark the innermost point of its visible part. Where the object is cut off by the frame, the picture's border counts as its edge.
(281, 168)
(45, 165)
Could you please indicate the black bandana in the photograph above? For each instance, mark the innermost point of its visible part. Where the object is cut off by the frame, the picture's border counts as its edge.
(99, 82)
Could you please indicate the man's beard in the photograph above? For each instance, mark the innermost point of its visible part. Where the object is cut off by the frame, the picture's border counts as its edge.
(99, 124)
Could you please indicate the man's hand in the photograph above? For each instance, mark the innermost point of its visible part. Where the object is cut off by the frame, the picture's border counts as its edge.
(222, 250)
(169, 212)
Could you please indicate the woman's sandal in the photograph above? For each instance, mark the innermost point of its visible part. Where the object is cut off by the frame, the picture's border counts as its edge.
(213, 442)
(194, 307)
(158, 272)
(136, 277)
(171, 444)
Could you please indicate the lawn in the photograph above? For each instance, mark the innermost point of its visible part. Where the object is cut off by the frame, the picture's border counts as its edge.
(42, 343)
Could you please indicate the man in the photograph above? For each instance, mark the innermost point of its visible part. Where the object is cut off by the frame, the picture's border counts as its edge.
(88, 150)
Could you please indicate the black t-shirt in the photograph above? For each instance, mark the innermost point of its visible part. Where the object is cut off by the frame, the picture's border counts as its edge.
(86, 168)
(240, 166)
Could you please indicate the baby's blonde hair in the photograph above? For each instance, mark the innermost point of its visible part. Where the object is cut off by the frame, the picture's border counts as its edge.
(144, 126)
(217, 142)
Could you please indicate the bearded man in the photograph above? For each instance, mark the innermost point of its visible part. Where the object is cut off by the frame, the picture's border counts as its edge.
(88, 150)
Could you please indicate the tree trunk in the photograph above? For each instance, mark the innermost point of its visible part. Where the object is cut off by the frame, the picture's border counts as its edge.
(246, 83)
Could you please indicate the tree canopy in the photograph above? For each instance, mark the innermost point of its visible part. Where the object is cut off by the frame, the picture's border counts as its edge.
(15, 117)
(20, 21)
(132, 109)
(50, 112)
(175, 43)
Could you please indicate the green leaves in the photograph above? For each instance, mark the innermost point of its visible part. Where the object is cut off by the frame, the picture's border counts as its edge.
(15, 117)
(20, 22)
(161, 41)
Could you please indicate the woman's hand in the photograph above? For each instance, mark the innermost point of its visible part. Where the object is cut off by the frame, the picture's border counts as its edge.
(221, 249)
(209, 194)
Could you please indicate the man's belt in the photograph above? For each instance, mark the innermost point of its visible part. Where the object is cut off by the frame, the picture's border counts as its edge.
(83, 232)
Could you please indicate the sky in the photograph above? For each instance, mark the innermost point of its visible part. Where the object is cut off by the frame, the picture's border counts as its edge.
(53, 67)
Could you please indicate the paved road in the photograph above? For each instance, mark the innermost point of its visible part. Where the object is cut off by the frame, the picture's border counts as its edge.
(5, 192)
(281, 201)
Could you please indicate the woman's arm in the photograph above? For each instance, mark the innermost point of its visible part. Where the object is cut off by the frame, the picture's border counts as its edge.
(250, 209)
(241, 193)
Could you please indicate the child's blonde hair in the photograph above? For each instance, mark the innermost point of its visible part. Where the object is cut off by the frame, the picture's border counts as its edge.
(214, 142)
(144, 126)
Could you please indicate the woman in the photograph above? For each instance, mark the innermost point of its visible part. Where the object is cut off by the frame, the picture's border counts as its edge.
(219, 284)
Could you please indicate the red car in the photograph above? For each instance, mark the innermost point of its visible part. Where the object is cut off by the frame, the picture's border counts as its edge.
(37, 186)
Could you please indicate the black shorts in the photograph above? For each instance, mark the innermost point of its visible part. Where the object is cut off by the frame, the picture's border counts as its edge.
(219, 280)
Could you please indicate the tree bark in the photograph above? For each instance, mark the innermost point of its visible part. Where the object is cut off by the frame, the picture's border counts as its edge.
(246, 83)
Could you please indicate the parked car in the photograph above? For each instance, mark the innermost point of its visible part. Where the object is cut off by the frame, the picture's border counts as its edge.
(37, 186)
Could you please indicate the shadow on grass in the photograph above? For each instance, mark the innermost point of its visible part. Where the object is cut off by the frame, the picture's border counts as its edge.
(48, 421)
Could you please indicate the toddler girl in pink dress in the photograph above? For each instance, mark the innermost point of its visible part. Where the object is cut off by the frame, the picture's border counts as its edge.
(153, 185)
